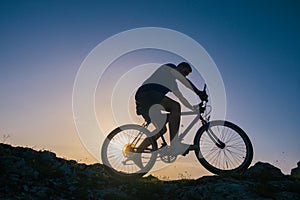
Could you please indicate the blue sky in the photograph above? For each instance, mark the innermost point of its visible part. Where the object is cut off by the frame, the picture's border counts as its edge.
(255, 45)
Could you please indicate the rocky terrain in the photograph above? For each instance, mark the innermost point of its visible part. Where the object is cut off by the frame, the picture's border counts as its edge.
(30, 174)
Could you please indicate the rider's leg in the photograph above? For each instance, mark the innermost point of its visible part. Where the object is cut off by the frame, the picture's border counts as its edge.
(147, 143)
(174, 121)
(159, 123)
(173, 108)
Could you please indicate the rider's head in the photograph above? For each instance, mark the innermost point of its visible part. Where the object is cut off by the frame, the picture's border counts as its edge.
(184, 68)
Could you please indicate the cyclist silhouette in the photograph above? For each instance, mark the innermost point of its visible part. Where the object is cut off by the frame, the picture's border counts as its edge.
(151, 99)
(130, 151)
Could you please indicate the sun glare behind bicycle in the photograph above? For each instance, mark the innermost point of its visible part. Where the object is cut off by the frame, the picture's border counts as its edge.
(127, 149)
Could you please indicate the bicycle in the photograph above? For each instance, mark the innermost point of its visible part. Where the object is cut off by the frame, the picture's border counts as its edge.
(220, 146)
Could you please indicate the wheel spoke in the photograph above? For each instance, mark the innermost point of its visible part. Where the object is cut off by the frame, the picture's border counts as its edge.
(116, 152)
(228, 158)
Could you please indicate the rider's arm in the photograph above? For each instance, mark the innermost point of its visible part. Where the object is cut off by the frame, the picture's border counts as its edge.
(193, 87)
(186, 82)
(182, 99)
(202, 94)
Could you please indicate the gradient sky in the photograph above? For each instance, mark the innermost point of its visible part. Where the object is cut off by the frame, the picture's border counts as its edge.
(255, 46)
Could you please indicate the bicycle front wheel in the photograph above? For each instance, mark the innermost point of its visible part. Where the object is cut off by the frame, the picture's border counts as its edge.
(120, 154)
(223, 147)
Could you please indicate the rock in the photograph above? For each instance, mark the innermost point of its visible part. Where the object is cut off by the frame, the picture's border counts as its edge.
(296, 171)
(47, 155)
(29, 174)
(263, 171)
(287, 195)
(25, 187)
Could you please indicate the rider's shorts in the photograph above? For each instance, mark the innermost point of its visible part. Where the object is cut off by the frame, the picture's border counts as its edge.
(145, 98)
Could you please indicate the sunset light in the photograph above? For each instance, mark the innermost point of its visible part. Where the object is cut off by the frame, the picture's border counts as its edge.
(70, 71)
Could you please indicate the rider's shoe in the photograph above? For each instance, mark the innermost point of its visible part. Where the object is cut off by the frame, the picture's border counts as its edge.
(137, 159)
(191, 148)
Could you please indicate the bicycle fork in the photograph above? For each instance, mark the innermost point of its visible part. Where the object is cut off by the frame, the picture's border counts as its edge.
(214, 138)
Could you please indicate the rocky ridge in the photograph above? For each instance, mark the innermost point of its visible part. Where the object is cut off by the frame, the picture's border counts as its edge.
(29, 174)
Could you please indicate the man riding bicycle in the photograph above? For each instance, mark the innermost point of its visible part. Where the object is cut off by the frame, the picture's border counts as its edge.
(151, 99)
(130, 150)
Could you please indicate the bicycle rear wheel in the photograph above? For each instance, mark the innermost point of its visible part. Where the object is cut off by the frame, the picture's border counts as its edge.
(232, 153)
(120, 154)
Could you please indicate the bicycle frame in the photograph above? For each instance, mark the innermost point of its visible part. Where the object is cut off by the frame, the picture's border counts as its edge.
(192, 123)
(198, 117)
(204, 121)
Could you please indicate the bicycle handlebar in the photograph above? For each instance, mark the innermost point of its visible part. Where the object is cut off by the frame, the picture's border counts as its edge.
(204, 97)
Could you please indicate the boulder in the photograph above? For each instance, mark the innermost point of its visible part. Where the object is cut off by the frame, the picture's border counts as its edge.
(296, 171)
(263, 172)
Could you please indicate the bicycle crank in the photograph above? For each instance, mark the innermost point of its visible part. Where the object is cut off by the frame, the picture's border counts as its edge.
(166, 155)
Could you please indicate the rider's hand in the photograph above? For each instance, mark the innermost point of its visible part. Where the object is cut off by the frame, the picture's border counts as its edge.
(203, 96)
